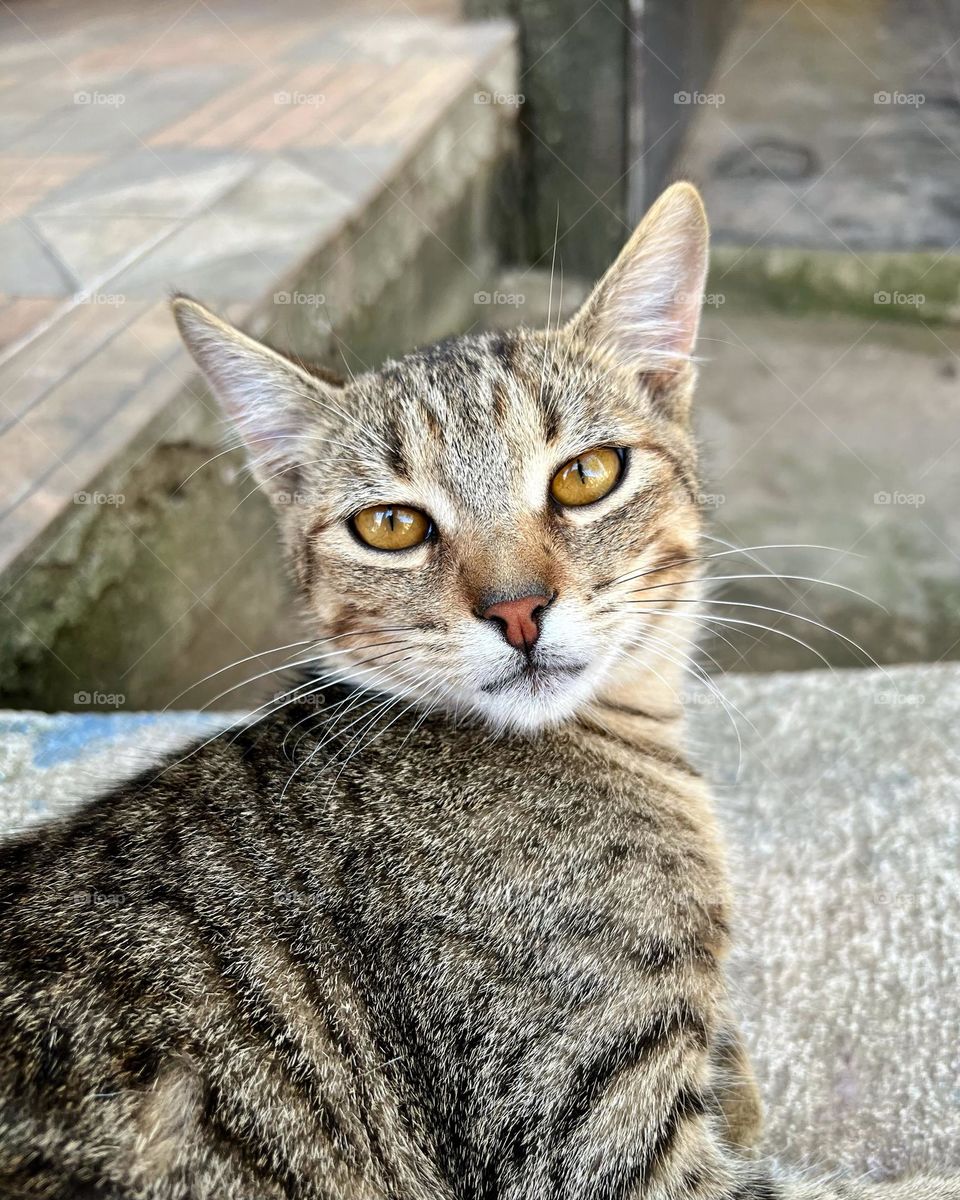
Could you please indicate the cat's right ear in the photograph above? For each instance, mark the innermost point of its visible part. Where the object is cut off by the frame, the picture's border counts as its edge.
(645, 311)
(275, 405)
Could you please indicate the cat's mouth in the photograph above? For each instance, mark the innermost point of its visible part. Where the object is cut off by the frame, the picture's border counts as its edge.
(536, 676)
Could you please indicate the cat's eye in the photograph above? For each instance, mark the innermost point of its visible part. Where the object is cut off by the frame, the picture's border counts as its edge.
(392, 526)
(588, 477)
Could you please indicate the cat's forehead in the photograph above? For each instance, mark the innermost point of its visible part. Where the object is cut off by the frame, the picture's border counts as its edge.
(476, 416)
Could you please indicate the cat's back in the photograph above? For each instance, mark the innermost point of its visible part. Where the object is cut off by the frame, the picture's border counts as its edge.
(249, 935)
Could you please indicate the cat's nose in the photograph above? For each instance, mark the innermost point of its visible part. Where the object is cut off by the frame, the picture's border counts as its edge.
(519, 619)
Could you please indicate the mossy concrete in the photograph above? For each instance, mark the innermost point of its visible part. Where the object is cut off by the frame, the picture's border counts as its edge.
(913, 286)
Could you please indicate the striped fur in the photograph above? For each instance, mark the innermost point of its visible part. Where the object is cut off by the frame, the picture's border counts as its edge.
(473, 959)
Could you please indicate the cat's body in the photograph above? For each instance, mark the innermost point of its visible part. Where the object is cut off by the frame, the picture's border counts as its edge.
(411, 977)
(370, 948)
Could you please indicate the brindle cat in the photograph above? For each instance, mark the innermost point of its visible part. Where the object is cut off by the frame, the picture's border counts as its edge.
(452, 923)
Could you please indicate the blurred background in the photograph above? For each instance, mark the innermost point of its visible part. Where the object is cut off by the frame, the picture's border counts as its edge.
(347, 180)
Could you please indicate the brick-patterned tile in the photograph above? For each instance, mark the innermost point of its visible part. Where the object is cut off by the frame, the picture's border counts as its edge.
(222, 107)
(19, 315)
(413, 106)
(301, 103)
(24, 181)
(343, 99)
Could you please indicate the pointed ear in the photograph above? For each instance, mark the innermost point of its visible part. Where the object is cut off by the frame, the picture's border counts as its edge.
(275, 405)
(646, 309)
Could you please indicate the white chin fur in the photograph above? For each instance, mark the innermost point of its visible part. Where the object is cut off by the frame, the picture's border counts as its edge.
(480, 682)
(531, 705)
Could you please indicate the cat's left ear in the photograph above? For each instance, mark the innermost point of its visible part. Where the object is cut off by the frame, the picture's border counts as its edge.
(276, 406)
(645, 311)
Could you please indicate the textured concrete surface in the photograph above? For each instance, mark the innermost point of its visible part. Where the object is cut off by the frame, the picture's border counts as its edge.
(838, 795)
(842, 433)
(833, 124)
(844, 836)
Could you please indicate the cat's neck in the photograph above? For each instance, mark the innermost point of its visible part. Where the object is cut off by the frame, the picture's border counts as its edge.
(645, 694)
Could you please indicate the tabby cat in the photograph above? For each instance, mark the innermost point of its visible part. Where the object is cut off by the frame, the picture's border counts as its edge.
(450, 921)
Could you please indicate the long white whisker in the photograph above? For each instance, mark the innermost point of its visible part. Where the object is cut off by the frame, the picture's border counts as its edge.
(706, 617)
(237, 663)
(695, 558)
(708, 579)
(782, 612)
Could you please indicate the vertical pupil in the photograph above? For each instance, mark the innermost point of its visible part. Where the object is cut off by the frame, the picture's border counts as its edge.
(580, 471)
(390, 521)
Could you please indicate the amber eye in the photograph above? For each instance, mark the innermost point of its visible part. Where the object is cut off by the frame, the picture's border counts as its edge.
(392, 526)
(588, 477)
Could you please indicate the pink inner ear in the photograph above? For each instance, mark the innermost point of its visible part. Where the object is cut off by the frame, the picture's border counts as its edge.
(646, 309)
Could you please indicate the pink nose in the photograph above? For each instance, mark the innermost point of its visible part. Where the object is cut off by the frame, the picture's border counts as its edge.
(519, 619)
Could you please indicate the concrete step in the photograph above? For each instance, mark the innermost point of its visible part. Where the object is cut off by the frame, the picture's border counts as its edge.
(324, 175)
(837, 792)
(827, 147)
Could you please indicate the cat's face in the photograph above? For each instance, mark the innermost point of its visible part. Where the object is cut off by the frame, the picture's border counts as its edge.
(461, 521)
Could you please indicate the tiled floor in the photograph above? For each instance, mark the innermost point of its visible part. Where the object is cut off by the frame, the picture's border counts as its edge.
(189, 144)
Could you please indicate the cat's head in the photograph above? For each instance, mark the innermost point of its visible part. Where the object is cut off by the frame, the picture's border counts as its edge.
(469, 525)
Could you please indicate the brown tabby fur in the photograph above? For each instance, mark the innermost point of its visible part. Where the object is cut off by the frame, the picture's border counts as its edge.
(420, 956)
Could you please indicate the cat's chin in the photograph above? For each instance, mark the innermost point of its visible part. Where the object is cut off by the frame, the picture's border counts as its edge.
(536, 698)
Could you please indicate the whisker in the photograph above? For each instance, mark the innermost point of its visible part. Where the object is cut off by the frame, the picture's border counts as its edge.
(780, 612)
(697, 673)
(306, 662)
(237, 663)
(708, 579)
(249, 720)
(706, 617)
(722, 554)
